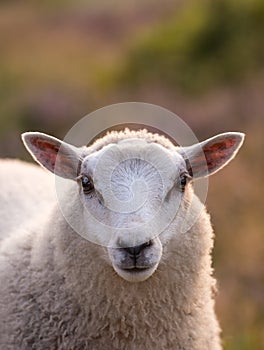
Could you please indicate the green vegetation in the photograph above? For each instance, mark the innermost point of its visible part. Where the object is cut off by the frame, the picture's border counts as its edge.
(245, 341)
(206, 44)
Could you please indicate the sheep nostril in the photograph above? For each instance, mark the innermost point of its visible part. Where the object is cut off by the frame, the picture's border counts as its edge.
(136, 250)
(147, 244)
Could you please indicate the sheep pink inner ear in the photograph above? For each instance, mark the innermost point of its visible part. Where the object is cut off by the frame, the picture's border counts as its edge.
(55, 155)
(211, 155)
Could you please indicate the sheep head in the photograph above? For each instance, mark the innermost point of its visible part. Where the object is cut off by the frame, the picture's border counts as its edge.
(134, 192)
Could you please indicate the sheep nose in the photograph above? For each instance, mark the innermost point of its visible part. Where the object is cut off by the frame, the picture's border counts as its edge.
(135, 251)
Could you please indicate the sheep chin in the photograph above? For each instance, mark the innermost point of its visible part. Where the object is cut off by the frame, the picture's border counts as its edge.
(138, 276)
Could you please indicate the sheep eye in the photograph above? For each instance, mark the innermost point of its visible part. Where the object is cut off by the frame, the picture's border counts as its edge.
(87, 184)
(183, 181)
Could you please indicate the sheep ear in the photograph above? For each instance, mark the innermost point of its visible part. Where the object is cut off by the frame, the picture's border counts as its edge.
(57, 156)
(209, 156)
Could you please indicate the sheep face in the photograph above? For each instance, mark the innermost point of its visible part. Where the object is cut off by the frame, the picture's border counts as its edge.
(133, 189)
(132, 195)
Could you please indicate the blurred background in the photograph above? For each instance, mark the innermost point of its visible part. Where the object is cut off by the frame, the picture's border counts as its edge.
(61, 59)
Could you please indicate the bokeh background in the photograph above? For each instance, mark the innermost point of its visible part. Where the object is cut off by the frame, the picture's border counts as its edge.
(60, 60)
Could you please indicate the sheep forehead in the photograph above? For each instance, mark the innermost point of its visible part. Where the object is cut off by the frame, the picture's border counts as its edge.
(132, 157)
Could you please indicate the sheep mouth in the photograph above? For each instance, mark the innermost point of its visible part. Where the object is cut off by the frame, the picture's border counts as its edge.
(135, 273)
(136, 269)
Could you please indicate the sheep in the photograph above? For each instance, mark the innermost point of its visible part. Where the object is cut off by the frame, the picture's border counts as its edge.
(113, 284)
(21, 175)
